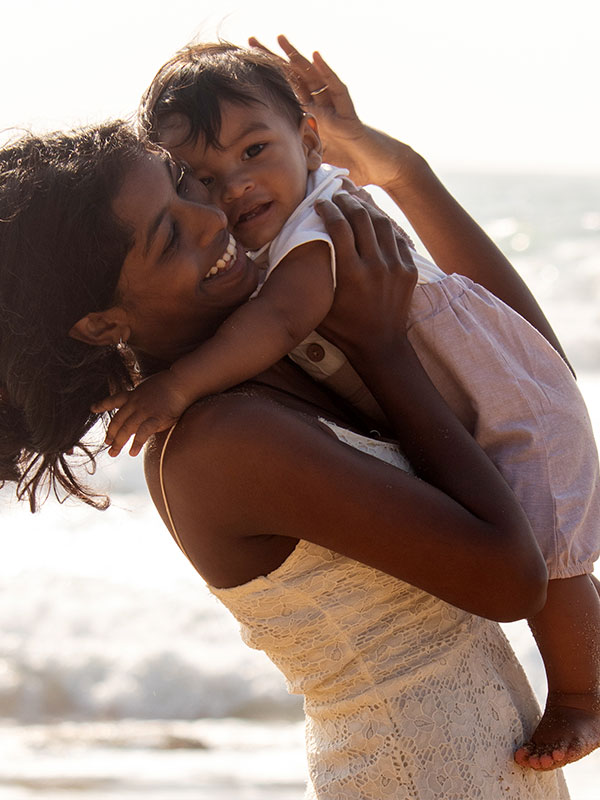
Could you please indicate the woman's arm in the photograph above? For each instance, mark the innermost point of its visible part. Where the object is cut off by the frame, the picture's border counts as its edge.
(458, 244)
(246, 476)
(454, 240)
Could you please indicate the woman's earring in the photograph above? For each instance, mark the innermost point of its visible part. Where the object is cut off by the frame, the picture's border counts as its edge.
(122, 345)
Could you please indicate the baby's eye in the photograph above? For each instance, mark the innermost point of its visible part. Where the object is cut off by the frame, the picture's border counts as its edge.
(254, 150)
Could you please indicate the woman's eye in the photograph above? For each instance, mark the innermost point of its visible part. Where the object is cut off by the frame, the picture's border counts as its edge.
(254, 150)
(206, 181)
(181, 181)
(173, 240)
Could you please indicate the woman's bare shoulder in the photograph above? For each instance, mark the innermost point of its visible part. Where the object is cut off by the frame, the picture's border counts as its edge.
(219, 469)
(221, 421)
(227, 433)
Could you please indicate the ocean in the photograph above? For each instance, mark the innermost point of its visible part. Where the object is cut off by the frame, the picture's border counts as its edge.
(122, 677)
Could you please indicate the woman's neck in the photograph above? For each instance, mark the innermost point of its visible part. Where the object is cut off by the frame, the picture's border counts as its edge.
(289, 385)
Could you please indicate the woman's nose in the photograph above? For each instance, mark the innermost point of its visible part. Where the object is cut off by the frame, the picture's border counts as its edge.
(212, 222)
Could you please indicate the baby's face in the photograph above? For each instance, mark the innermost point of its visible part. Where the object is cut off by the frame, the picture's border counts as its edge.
(258, 175)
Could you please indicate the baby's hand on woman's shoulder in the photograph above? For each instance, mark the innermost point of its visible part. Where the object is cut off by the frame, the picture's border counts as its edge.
(155, 405)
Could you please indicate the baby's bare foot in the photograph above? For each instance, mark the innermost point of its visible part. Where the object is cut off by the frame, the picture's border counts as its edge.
(568, 731)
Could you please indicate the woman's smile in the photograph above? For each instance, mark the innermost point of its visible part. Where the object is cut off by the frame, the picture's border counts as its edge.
(225, 261)
(185, 273)
(233, 267)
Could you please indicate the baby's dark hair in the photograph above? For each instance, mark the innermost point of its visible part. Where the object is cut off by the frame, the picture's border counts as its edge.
(61, 253)
(200, 77)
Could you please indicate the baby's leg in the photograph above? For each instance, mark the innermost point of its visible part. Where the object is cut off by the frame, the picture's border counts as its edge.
(567, 631)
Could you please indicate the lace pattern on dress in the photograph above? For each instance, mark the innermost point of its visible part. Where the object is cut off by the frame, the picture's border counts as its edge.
(406, 697)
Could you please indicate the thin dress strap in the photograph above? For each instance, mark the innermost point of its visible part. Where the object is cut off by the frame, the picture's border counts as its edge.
(164, 494)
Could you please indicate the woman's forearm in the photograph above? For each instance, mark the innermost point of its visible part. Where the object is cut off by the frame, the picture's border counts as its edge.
(457, 243)
(368, 322)
(454, 240)
(430, 434)
(444, 455)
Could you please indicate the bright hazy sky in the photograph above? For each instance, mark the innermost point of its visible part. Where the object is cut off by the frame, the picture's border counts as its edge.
(469, 83)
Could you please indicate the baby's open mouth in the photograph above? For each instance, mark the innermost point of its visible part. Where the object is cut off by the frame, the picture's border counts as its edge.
(257, 211)
(225, 261)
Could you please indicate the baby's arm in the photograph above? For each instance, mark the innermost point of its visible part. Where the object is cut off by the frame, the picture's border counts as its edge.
(567, 632)
(294, 300)
(292, 303)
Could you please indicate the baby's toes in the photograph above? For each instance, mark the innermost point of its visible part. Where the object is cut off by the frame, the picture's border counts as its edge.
(547, 761)
(522, 755)
(559, 756)
(534, 761)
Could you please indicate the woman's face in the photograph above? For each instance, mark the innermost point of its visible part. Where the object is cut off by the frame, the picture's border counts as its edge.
(185, 274)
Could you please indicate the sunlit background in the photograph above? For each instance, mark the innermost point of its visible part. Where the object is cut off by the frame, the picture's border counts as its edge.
(120, 677)
(500, 85)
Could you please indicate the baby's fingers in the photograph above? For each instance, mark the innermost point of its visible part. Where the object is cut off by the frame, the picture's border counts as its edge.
(110, 403)
(117, 424)
(144, 432)
(128, 427)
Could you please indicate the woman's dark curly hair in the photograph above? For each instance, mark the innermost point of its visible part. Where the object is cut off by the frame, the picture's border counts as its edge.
(61, 252)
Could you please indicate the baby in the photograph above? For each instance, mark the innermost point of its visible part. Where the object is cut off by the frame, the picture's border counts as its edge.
(232, 116)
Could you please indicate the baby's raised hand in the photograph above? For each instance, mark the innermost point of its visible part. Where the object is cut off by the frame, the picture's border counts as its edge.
(155, 405)
(370, 156)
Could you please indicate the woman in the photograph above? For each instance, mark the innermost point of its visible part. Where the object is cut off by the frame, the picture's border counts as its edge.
(364, 584)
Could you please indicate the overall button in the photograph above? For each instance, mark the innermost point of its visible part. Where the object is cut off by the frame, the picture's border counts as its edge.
(315, 352)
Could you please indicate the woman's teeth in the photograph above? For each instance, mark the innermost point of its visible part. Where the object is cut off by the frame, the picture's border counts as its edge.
(224, 260)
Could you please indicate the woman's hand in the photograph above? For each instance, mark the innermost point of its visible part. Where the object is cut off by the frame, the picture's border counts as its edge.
(454, 240)
(371, 156)
(376, 276)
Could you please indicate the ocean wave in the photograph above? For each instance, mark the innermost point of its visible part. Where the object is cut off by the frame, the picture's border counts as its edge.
(79, 648)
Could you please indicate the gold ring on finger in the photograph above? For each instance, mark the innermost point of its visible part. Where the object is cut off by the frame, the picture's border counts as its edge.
(319, 91)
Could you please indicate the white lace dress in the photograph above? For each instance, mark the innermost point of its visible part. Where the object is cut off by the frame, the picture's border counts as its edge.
(406, 697)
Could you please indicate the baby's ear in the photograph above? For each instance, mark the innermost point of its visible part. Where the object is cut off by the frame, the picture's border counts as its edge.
(312, 142)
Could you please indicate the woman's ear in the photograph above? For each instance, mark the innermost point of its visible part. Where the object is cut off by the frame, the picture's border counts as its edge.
(101, 328)
(312, 142)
